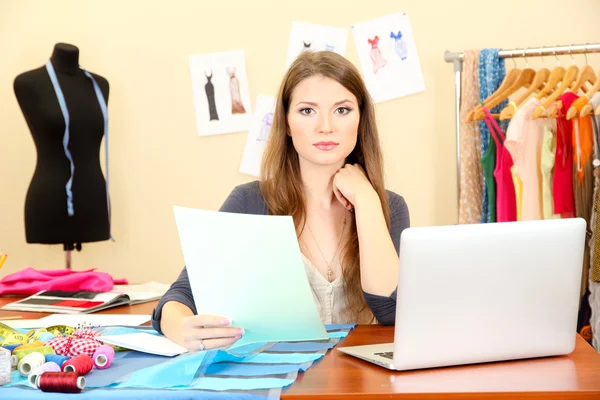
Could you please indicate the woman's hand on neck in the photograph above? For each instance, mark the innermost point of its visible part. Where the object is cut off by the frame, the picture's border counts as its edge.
(318, 184)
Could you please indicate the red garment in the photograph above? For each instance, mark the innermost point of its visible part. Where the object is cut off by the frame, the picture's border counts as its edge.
(562, 191)
(30, 281)
(506, 199)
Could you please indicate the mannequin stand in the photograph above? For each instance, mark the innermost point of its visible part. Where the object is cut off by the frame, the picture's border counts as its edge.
(68, 247)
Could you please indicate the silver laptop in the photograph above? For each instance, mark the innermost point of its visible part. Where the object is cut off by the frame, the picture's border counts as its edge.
(484, 292)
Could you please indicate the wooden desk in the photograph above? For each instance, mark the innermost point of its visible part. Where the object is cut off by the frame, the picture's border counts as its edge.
(338, 376)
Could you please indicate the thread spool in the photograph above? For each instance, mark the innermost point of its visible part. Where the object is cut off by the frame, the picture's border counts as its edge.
(18, 355)
(46, 337)
(30, 362)
(32, 345)
(55, 358)
(5, 367)
(46, 367)
(82, 364)
(103, 356)
(60, 382)
(10, 347)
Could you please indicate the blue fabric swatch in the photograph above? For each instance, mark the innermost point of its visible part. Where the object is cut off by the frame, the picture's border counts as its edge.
(301, 347)
(234, 369)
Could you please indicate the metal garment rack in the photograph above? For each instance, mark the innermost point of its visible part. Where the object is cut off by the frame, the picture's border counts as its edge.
(456, 59)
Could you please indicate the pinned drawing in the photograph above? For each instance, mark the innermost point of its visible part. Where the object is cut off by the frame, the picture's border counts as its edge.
(376, 57)
(399, 45)
(265, 127)
(388, 57)
(237, 107)
(258, 135)
(311, 37)
(221, 93)
(210, 95)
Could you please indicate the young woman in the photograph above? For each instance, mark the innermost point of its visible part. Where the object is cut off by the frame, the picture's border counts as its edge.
(323, 166)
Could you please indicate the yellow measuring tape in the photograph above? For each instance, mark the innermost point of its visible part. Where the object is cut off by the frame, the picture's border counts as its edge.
(12, 336)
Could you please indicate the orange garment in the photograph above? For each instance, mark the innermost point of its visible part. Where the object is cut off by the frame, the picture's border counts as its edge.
(583, 139)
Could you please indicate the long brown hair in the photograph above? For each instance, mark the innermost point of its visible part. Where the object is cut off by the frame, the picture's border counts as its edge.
(281, 182)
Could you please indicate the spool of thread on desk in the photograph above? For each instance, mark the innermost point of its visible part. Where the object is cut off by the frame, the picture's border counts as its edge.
(10, 347)
(18, 355)
(104, 356)
(55, 358)
(5, 367)
(82, 364)
(30, 362)
(31, 345)
(60, 382)
(47, 367)
(46, 336)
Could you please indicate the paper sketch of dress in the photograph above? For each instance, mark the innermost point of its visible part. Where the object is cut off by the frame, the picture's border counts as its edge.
(399, 45)
(237, 107)
(265, 127)
(376, 57)
(210, 95)
(305, 46)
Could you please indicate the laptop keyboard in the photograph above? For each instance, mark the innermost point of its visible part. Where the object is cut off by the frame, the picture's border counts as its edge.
(386, 354)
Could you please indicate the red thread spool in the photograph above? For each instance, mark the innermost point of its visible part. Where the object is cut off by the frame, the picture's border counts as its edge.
(82, 364)
(60, 382)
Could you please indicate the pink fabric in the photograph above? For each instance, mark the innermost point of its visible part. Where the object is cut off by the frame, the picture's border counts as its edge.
(30, 281)
(506, 200)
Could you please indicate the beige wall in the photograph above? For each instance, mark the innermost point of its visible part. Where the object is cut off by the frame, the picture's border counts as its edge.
(157, 160)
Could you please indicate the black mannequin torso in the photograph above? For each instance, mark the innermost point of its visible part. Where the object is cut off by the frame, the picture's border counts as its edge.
(46, 217)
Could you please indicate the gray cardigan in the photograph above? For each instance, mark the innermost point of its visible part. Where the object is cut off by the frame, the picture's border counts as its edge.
(247, 199)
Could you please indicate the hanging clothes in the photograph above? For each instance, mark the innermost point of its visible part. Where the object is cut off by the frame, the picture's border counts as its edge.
(471, 183)
(547, 168)
(594, 243)
(562, 184)
(491, 74)
(518, 193)
(506, 205)
(524, 139)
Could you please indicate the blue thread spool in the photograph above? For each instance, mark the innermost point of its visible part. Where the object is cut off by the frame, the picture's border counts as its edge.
(46, 337)
(60, 360)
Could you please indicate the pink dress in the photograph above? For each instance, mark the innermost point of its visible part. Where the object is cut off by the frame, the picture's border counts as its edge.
(506, 203)
(376, 57)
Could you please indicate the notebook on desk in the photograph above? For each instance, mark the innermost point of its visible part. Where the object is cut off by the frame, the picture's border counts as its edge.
(82, 302)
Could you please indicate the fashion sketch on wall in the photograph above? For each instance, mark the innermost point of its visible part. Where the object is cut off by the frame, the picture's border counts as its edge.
(221, 92)
(258, 135)
(388, 57)
(210, 96)
(312, 37)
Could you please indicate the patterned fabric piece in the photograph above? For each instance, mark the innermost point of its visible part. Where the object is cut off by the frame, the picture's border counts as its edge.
(491, 73)
(72, 346)
(471, 174)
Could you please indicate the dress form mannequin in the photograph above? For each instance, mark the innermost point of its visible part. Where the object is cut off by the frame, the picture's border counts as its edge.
(67, 201)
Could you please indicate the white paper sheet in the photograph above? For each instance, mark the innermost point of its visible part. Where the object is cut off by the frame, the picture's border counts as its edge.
(221, 93)
(312, 37)
(249, 268)
(256, 142)
(388, 57)
(145, 343)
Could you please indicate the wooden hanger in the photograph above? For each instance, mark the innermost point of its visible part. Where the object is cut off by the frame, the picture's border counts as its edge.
(509, 79)
(524, 80)
(586, 74)
(589, 107)
(567, 82)
(539, 82)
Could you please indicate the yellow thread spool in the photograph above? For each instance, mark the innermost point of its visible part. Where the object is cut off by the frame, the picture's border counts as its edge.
(19, 355)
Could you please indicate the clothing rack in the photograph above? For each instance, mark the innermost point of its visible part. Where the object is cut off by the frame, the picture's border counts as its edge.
(456, 59)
